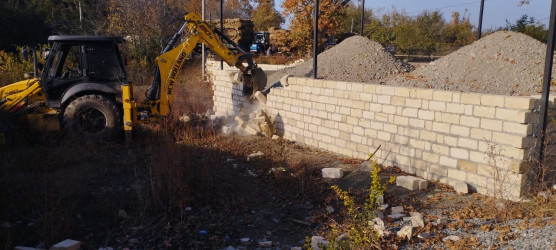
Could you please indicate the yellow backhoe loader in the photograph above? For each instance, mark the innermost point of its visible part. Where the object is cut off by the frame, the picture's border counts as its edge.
(83, 87)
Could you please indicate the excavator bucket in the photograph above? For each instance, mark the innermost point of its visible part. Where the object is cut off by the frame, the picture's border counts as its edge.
(258, 80)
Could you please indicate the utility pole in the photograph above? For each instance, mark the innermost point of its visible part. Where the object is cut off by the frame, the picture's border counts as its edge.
(315, 38)
(541, 132)
(221, 29)
(362, 16)
(479, 29)
(202, 44)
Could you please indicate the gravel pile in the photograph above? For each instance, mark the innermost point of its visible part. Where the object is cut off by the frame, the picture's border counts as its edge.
(504, 63)
(356, 59)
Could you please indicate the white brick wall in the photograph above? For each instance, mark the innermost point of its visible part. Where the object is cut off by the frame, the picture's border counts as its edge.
(441, 135)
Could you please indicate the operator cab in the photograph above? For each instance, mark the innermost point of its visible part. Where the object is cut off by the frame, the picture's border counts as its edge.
(82, 64)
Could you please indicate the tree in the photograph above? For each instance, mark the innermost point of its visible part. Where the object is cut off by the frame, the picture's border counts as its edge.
(353, 13)
(265, 16)
(459, 32)
(147, 25)
(528, 26)
(381, 30)
(238, 9)
(301, 26)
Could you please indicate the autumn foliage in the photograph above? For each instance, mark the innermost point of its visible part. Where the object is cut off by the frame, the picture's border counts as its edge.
(301, 26)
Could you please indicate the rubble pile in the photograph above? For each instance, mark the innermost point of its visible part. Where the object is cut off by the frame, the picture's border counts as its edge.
(356, 59)
(503, 63)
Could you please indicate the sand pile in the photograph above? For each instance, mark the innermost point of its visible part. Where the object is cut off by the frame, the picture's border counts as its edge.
(356, 59)
(504, 63)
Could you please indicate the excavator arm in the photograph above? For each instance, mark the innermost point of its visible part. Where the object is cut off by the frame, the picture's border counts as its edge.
(170, 61)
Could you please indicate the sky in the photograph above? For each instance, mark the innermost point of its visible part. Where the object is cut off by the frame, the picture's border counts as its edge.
(495, 11)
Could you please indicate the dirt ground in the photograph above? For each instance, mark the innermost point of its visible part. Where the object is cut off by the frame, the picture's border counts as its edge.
(181, 187)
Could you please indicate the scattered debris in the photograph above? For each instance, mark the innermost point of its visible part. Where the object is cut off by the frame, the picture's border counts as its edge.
(451, 238)
(339, 239)
(333, 173)
(380, 199)
(317, 242)
(265, 243)
(254, 156)
(397, 210)
(396, 216)
(417, 219)
(442, 220)
(383, 207)
(379, 226)
(67, 244)
(301, 222)
(405, 232)
(184, 118)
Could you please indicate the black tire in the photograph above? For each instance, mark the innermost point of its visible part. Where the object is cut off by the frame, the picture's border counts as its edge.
(92, 117)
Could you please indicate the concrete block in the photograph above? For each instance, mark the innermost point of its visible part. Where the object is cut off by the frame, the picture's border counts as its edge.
(250, 130)
(423, 184)
(470, 98)
(457, 174)
(519, 102)
(437, 106)
(67, 245)
(461, 187)
(409, 182)
(459, 153)
(425, 115)
(485, 112)
(519, 116)
(459, 130)
(444, 96)
(333, 173)
(492, 100)
(470, 121)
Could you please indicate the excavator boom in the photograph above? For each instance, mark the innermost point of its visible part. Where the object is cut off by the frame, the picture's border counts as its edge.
(172, 58)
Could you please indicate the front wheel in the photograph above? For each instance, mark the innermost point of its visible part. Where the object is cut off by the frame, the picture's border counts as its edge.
(92, 117)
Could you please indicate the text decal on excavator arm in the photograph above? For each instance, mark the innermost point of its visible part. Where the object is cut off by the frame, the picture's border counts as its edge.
(175, 70)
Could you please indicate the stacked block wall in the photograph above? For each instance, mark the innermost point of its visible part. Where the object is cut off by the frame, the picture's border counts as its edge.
(482, 140)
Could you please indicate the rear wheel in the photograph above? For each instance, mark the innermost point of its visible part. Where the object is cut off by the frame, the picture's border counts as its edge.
(92, 117)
